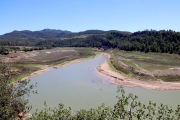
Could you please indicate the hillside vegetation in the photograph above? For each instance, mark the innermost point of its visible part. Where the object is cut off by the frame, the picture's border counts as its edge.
(143, 66)
(31, 38)
(146, 41)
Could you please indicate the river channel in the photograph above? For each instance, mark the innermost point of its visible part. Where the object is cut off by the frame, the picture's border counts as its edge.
(80, 86)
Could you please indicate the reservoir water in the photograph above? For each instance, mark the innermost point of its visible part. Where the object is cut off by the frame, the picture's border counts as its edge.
(80, 86)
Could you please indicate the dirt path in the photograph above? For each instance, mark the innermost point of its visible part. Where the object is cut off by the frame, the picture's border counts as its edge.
(119, 79)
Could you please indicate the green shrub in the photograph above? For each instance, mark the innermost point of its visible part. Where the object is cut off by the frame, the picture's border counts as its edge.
(11, 102)
(127, 108)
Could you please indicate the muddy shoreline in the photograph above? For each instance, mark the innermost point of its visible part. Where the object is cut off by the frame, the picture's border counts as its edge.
(119, 79)
(45, 67)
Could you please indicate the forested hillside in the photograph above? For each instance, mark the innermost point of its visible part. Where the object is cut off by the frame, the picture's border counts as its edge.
(154, 41)
(148, 41)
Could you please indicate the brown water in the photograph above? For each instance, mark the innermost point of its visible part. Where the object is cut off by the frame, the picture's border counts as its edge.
(80, 86)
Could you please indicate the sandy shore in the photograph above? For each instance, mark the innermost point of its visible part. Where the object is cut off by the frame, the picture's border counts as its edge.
(119, 79)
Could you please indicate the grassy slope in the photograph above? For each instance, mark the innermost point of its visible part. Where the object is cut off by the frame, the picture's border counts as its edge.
(157, 64)
(111, 66)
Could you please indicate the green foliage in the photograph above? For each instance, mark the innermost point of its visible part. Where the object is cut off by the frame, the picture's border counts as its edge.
(90, 41)
(111, 66)
(25, 49)
(49, 47)
(144, 41)
(19, 77)
(118, 67)
(151, 41)
(96, 52)
(127, 108)
(3, 50)
(11, 102)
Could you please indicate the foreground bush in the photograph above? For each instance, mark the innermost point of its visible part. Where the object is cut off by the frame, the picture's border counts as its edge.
(11, 102)
(127, 108)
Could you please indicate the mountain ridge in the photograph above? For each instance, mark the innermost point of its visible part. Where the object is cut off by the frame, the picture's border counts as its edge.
(27, 37)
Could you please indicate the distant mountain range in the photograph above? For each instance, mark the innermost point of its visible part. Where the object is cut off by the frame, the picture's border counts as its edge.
(57, 30)
(27, 37)
(46, 34)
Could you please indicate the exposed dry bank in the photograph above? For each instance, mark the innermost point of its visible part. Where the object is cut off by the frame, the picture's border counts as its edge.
(120, 79)
(27, 64)
(45, 67)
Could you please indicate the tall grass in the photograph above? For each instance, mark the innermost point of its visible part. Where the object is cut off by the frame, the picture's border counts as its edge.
(111, 66)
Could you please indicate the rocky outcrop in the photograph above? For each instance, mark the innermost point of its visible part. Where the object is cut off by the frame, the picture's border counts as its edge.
(22, 115)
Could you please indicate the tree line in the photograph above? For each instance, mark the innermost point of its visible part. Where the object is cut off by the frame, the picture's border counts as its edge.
(151, 41)
(145, 41)
(5, 50)
(163, 41)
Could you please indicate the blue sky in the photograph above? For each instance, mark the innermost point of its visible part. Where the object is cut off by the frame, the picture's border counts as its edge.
(81, 15)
